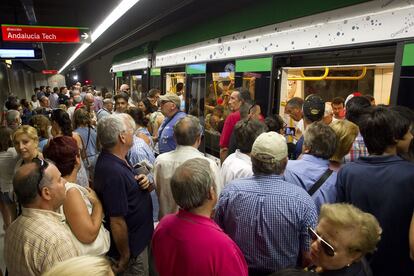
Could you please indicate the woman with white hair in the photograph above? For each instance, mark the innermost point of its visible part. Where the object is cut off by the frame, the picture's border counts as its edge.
(344, 235)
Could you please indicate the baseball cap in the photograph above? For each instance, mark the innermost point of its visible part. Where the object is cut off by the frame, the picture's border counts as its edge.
(269, 147)
(171, 98)
(313, 108)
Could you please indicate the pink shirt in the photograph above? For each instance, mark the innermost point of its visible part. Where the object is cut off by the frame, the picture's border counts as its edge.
(188, 244)
(229, 124)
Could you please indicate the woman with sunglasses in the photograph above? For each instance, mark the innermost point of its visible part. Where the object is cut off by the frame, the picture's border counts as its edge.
(342, 238)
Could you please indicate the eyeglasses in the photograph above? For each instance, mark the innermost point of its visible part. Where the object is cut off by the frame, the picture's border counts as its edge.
(327, 248)
(42, 167)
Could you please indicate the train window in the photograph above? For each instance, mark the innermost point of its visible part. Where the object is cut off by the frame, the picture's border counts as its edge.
(175, 83)
(124, 79)
(136, 87)
(340, 81)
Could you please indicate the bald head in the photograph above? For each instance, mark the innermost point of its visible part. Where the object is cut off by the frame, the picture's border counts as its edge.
(124, 88)
(39, 185)
(25, 183)
(13, 119)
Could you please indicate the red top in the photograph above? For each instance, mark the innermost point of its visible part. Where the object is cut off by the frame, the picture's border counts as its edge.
(229, 124)
(188, 244)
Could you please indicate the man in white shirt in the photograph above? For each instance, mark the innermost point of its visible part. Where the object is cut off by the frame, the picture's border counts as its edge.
(187, 133)
(238, 164)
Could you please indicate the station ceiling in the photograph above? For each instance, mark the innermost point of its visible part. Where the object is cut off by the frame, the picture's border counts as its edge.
(148, 20)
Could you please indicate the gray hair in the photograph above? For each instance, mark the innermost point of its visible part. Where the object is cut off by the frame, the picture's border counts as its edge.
(191, 183)
(127, 118)
(263, 167)
(187, 130)
(320, 139)
(109, 128)
(11, 116)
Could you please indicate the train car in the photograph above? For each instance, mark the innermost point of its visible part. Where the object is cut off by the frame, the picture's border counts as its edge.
(367, 48)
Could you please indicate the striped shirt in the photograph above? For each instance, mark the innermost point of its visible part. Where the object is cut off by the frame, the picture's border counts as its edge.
(267, 217)
(37, 240)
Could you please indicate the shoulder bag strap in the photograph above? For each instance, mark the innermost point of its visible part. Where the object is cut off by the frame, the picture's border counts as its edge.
(320, 181)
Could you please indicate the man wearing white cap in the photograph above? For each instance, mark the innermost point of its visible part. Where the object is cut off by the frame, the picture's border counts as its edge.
(266, 216)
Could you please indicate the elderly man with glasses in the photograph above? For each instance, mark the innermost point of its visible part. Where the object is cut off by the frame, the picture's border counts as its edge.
(38, 239)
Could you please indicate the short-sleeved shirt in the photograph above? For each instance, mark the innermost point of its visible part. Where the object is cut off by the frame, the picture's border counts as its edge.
(121, 196)
(37, 240)
(358, 149)
(306, 172)
(267, 217)
(228, 127)
(166, 140)
(187, 244)
(237, 165)
(384, 187)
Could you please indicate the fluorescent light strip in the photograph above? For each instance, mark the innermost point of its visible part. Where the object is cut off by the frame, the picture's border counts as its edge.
(116, 13)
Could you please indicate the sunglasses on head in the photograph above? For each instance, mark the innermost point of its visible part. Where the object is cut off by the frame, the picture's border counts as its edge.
(327, 248)
(42, 167)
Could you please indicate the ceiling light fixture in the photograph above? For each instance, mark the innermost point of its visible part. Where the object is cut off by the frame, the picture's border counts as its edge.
(116, 13)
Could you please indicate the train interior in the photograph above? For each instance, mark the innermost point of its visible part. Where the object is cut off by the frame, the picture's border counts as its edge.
(335, 81)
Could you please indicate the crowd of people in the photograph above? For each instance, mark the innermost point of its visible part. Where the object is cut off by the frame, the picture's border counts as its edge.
(103, 184)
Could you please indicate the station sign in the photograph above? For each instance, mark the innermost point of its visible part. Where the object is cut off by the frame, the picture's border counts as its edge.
(20, 54)
(49, 72)
(44, 34)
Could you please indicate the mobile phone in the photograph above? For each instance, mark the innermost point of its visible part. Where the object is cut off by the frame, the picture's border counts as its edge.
(290, 131)
(140, 169)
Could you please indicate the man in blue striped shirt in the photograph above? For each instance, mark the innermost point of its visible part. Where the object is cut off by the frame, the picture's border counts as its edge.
(266, 216)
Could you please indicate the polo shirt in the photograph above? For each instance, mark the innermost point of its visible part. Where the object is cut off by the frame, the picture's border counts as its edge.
(268, 218)
(188, 244)
(121, 196)
(166, 140)
(228, 127)
(306, 171)
(384, 187)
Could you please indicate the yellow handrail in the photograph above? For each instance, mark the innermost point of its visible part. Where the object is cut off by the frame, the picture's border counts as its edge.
(310, 78)
(361, 76)
(326, 77)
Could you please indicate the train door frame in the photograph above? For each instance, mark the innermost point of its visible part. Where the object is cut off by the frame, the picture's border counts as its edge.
(257, 67)
(192, 71)
(400, 95)
(370, 54)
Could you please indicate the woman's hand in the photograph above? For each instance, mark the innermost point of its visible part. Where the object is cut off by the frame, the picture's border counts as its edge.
(92, 196)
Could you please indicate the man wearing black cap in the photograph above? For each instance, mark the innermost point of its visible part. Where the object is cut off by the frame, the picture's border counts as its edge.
(313, 111)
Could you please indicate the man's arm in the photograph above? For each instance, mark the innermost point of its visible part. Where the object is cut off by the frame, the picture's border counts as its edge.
(119, 231)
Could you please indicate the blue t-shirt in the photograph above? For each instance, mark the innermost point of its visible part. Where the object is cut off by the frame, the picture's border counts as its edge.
(166, 140)
(121, 196)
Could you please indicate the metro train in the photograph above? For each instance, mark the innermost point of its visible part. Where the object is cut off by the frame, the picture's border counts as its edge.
(367, 48)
